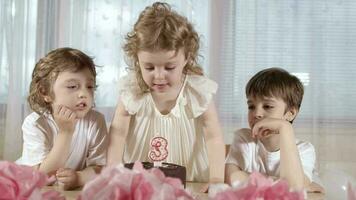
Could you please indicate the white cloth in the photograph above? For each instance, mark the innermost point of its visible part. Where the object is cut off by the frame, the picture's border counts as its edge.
(250, 155)
(182, 126)
(88, 145)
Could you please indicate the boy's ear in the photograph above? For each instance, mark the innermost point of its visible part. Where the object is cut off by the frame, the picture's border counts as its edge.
(291, 114)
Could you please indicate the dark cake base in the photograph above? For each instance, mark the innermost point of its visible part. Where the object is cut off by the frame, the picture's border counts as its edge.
(169, 169)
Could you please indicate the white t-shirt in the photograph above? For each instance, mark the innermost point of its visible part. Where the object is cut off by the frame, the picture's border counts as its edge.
(250, 155)
(182, 126)
(88, 145)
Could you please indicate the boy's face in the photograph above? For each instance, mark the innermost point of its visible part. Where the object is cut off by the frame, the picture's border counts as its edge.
(75, 90)
(162, 70)
(267, 107)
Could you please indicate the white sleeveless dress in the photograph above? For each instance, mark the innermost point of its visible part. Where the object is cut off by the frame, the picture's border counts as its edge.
(182, 126)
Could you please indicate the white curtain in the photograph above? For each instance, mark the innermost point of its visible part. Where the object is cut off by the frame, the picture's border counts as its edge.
(17, 33)
(315, 40)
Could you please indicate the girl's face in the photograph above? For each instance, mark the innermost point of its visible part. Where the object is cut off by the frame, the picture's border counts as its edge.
(75, 90)
(271, 107)
(162, 70)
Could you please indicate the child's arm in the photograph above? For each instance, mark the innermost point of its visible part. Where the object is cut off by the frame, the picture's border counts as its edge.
(215, 144)
(234, 173)
(96, 157)
(238, 156)
(118, 133)
(58, 155)
(290, 163)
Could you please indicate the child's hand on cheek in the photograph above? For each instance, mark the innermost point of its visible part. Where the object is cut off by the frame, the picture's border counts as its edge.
(67, 178)
(267, 126)
(65, 119)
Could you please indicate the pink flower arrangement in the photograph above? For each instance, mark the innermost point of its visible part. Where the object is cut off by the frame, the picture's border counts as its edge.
(22, 182)
(260, 187)
(351, 192)
(120, 183)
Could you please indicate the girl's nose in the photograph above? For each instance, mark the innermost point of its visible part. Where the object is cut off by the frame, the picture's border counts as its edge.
(159, 74)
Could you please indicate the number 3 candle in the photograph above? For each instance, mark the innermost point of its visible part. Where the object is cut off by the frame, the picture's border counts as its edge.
(158, 151)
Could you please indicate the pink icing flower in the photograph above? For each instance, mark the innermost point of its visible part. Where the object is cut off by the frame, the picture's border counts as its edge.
(120, 183)
(260, 187)
(23, 182)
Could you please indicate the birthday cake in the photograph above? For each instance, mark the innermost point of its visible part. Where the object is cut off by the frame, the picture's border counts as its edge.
(158, 153)
(169, 169)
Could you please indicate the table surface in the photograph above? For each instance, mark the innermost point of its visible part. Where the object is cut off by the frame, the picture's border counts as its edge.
(193, 187)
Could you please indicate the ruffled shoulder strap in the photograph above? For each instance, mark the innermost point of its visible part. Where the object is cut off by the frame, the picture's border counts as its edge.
(130, 93)
(198, 93)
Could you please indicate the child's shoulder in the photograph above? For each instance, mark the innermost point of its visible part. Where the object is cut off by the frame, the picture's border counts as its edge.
(304, 145)
(94, 115)
(35, 121)
(201, 83)
(198, 93)
(128, 85)
(32, 117)
(130, 93)
(243, 135)
(35, 118)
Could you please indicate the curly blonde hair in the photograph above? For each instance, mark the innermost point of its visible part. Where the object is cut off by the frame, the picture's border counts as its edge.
(160, 28)
(46, 72)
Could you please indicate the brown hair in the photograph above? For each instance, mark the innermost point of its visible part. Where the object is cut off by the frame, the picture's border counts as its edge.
(46, 72)
(278, 83)
(160, 28)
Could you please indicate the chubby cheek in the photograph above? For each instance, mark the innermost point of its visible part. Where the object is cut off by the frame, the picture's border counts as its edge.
(62, 101)
(90, 101)
(250, 124)
(175, 80)
(250, 121)
(146, 78)
(178, 80)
